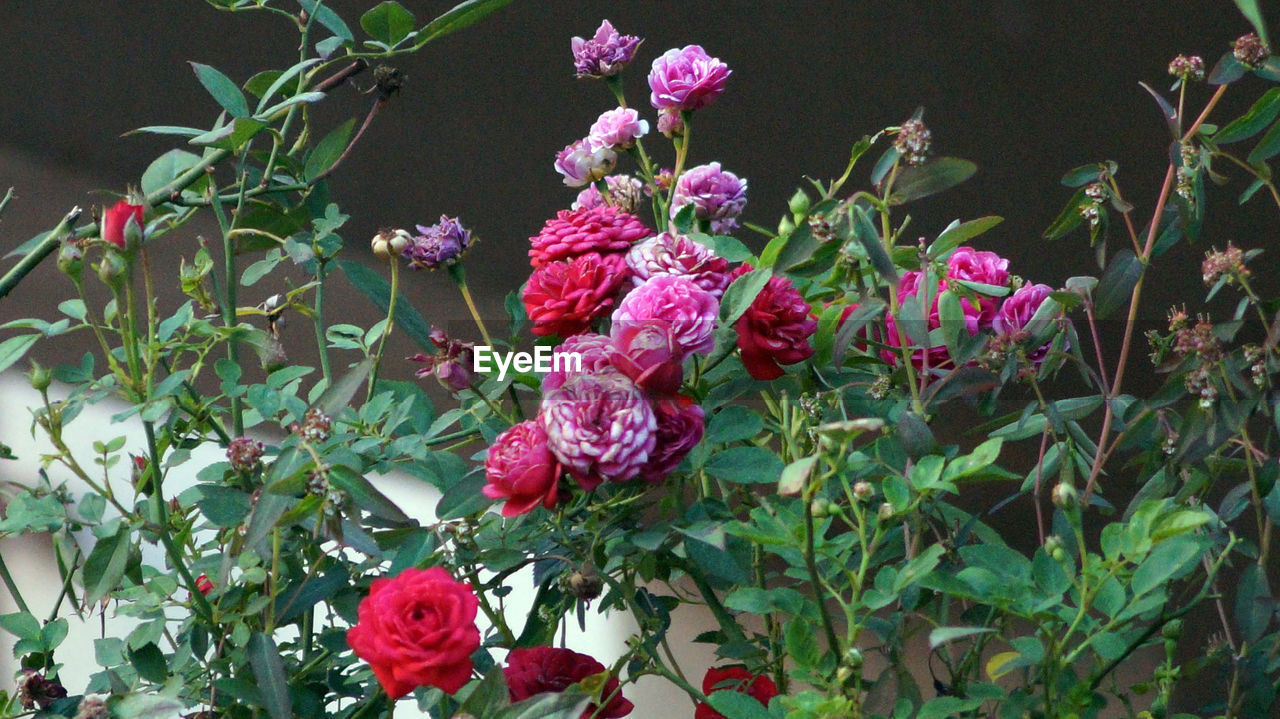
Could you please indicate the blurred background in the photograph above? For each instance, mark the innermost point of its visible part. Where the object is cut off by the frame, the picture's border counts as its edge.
(1027, 90)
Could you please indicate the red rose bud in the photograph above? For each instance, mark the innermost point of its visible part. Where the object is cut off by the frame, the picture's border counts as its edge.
(115, 223)
(417, 629)
(204, 584)
(546, 669)
(738, 679)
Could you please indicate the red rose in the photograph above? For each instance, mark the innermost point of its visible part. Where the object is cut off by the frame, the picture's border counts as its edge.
(417, 629)
(775, 329)
(116, 218)
(735, 678)
(563, 298)
(521, 470)
(546, 669)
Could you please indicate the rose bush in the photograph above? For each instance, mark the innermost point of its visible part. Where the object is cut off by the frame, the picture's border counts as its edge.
(756, 431)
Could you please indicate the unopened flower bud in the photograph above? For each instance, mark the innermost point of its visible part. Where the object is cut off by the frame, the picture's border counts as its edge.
(913, 141)
(204, 584)
(71, 261)
(863, 491)
(853, 658)
(40, 377)
(245, 454)
(887, 510)
(112, 270)
(820, 507)
(390, 242)
(1172, 630)
(1064, 496)
(1187, 68)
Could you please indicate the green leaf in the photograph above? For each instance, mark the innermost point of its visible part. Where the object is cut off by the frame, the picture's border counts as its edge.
(226, 92)
(105, 565)
(375, 287)
(148, 660)
(279, 80)
(463, 498)
(795, 476)
(166, 167)
(568, 704)
(944, 707)
(327, 17)
(865, 232)
(1268, 147)
(734, 424)
(462, 15)
(365, 495)
(1226, 71)
(1252, 13)
(1263, 112)
(1067, 220)
(327, 151)
(957, 233)
(21, 625)
(147, 706)
(224, 506)
(12, 349)
(268, 670)
(1086, 174)
(739, 296)
(737, 705)
(942, 635)
(745, 465)
(1115, 287)
(1164, 563)
(918, 181)
(1254, 605)
(388, 23)
(866, 311)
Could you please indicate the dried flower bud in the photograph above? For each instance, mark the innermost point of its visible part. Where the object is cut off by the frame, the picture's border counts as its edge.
(245, 454)
(1228, 263)
(34, 690)
(1187, 68)
(585, 584)
(913, 141)
(93, 707)
(1250, 50)
(390, 243)
(316, 425)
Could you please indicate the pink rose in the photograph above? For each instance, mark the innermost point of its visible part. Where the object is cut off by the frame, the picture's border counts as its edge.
(617, 130)
(686, 310)
(521, 470)
(686, 79)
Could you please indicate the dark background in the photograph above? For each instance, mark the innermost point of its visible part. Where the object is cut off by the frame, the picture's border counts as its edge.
(1026, 88)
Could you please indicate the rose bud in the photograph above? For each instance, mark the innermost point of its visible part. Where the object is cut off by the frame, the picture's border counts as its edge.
(122, 224)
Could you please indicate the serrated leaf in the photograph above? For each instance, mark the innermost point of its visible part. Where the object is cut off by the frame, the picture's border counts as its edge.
(226, 92)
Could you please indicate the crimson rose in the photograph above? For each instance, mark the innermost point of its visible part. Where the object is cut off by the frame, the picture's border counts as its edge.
(547, 669)
(417, 629)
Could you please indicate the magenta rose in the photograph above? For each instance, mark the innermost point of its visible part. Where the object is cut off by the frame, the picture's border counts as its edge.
(686, 79)
(617, 129)
(604, 54)
(417, 629)
(1015, 312)
(670, 254)
(718, 196)
(986, 268)
(563, 298)
(580, 164)
(600, 427)
(537, 670)
(593, 350)
(775, 329)
(521, 470)
(589, 229)
(686, 310)
(647, 353)
(680, 428)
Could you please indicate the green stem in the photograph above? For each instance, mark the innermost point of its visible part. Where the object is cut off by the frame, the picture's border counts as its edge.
(229, 305)
(459, 276)
(12, 587)
(161, 511)
(386, 328)
(322, 344)
(682, 154)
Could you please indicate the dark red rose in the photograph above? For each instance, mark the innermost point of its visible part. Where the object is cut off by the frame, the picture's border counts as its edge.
(115, 218)
(546, 669)
(775, 329)
(521, 470)
(417, 629)
(563, 298)
(735, 678)
(680, 427)
(571, 233)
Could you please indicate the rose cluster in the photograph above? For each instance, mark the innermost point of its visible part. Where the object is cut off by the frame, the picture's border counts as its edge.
(981, 283)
